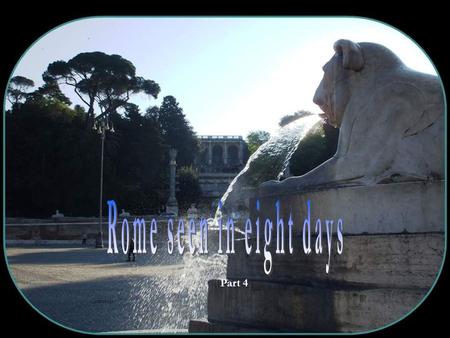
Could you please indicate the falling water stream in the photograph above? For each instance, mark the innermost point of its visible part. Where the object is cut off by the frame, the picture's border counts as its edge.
(167, 303)
(269, 162)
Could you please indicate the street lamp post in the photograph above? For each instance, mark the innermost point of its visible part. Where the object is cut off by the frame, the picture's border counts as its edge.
(101, 125)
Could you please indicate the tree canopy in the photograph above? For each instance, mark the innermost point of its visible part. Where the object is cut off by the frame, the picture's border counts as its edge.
(316, 147)
(256, 139)
(100, 79)
(17, 90)
(53, 160)
(188, 186)
(176, 130)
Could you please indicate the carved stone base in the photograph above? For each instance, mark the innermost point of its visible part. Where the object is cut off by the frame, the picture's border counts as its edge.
(394, 240)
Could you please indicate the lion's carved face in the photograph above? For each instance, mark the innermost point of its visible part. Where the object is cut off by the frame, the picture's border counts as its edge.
(326, 96)
(333, 93)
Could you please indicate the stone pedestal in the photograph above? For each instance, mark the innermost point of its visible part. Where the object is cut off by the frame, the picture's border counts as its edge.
(394, 240)
(172, 208)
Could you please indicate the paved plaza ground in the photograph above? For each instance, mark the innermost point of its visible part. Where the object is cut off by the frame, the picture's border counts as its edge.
(90, 290)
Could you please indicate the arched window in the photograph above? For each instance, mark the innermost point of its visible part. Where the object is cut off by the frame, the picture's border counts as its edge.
(217, 156)
(233, 157)
(204, 156)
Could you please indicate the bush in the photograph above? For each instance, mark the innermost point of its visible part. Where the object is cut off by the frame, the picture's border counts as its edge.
(316, 147)
(189, 190)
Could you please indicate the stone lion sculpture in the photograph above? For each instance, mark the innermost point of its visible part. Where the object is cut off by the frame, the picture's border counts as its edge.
(391, 120)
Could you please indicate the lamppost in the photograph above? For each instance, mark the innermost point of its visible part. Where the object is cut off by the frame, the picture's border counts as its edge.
(101, 125)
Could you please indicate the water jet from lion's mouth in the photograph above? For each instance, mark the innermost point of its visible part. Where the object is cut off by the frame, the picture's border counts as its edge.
(269, 162)
(192, 296)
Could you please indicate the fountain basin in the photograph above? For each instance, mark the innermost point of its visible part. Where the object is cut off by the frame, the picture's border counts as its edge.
(394, 242)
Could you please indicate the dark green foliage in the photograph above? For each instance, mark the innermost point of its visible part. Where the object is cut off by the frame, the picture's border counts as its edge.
(188, 187)
(53, 160)
(17, 90)
(175, 129)
(136, 162)
(255, 139)
(51, 93)
(315, 148)
(102, 79)
(48, 166)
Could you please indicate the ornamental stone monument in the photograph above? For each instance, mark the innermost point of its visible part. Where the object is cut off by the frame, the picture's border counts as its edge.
(386, 182)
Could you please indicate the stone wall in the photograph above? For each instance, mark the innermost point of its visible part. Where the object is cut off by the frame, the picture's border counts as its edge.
(394, 243)
(61, 229)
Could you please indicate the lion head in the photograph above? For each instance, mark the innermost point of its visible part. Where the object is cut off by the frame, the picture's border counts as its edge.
(333, 92)
(343, 71)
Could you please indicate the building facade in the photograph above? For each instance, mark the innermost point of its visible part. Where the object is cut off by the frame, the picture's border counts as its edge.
(221, 158)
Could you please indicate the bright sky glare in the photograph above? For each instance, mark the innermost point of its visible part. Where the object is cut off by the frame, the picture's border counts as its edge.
(230, 75)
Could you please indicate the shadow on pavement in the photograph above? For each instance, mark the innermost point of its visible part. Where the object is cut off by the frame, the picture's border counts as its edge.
(53, 255)
(117, 304)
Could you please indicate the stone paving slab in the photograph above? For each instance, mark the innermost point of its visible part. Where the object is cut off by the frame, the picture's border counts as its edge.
(89, 290)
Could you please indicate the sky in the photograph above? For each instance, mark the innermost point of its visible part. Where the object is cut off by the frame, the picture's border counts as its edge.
(231, 75)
